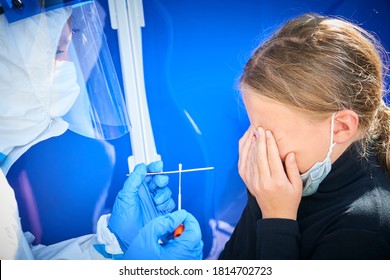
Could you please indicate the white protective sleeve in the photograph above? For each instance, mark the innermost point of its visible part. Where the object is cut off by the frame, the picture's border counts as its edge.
(79, 248)
(14, 244)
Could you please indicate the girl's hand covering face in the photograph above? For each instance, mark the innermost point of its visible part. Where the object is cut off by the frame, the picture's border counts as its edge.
(277, 186)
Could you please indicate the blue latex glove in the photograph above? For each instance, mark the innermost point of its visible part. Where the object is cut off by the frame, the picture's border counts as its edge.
(132, 210)
(188, 246)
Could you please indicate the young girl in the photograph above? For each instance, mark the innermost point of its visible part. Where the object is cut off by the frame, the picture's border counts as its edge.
(316, 158)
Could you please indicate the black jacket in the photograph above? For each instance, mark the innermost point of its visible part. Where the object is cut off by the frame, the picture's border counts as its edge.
(347, 218)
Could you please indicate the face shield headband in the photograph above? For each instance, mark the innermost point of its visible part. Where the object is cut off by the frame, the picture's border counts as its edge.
(16, 10)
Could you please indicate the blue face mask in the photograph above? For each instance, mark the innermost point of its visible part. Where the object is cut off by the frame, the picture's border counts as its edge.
(314, 176)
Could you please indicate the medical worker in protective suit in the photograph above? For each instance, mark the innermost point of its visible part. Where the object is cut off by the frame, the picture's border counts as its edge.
(45, 73)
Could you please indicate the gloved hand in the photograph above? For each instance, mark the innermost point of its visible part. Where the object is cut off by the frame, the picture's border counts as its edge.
(188, 246)
(129, 214)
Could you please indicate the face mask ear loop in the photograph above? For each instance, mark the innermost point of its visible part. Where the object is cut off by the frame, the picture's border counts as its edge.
(332, 144)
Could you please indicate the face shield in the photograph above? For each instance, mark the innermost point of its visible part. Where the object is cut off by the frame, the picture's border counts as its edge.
(100, 109)
(80, 80)
(56, 73)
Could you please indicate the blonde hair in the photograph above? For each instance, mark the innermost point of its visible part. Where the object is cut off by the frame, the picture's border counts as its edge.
(321, 65)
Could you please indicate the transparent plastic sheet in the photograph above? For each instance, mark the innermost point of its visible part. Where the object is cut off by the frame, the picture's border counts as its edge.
(98, 109)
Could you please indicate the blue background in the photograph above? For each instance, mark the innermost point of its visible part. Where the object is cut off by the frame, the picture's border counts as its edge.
(194, 52)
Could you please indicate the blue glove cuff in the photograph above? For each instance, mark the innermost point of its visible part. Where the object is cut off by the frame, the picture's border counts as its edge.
(120, 242)
(101, 248)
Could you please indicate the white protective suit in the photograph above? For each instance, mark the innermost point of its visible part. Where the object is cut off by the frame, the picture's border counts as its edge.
(32, 102)
(14, 244)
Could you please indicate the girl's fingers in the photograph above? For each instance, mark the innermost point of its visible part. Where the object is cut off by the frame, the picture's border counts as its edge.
(249, 167)
(261, 157)
(293, 172)
(254, 172)
(244, 147)
(274, 161)
(243, 139)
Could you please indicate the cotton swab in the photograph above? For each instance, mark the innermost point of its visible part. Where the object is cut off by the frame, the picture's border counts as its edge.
(179, 191)
(179, 230)
(180, 171)
(177, 171)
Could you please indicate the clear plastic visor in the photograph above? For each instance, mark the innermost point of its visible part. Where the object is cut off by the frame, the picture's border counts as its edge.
(100, 110)
(63, 56)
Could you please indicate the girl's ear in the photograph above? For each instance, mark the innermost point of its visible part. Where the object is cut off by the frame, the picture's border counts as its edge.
(346, 124)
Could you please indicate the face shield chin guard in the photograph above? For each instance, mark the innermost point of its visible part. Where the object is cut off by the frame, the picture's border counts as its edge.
(99, 111)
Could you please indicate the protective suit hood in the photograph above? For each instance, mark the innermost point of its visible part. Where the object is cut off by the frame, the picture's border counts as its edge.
(29, 111)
